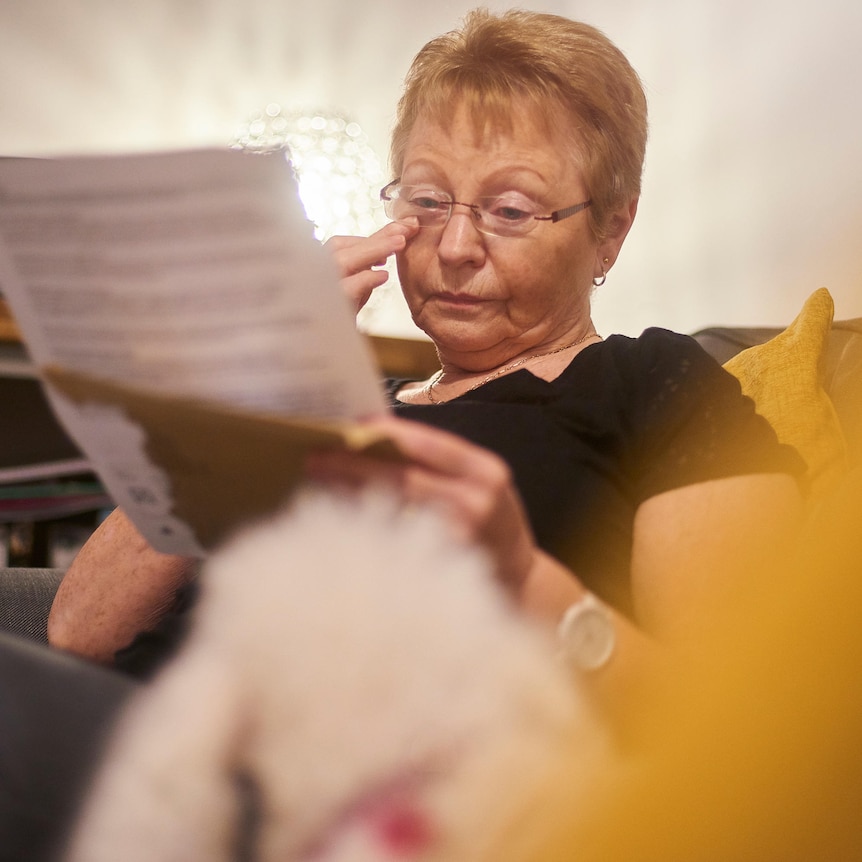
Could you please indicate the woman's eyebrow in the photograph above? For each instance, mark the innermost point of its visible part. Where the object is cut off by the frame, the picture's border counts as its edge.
(514, 177)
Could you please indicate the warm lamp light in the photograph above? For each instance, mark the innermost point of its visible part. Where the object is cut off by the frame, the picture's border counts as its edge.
(339, 174)
(339, 178)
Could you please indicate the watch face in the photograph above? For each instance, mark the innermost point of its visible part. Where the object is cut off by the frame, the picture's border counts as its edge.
(587, 636)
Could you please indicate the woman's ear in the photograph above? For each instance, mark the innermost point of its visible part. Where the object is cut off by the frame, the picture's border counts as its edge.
(619, 225)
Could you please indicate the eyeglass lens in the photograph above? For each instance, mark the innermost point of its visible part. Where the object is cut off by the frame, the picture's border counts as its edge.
(500, 215)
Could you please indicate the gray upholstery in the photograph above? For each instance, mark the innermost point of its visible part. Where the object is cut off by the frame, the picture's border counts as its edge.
(55, 714)
(25, 599)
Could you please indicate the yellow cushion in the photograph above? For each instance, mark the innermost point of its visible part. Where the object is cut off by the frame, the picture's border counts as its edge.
(783, 378)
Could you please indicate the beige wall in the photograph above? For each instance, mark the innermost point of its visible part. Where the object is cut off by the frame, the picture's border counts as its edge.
(753, 193)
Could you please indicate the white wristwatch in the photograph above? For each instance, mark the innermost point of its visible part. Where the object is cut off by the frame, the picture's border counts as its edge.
(586, 634)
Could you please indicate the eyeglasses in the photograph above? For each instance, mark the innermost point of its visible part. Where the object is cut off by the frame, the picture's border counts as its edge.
(508, 214)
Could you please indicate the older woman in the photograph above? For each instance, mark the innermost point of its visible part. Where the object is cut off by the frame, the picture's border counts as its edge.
(623, 478)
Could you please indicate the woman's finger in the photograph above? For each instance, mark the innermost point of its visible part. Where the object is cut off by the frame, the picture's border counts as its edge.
(355, 254)
(469, 484)
(427, 452)
(358, 288)
(356, 258)
(442, 451)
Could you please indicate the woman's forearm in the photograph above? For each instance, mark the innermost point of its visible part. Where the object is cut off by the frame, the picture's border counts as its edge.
(116, 587)
(548, 591)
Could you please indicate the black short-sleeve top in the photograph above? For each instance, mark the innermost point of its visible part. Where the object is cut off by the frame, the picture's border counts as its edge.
(629, 418)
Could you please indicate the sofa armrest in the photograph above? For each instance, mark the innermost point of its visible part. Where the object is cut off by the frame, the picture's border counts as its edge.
(26, 595)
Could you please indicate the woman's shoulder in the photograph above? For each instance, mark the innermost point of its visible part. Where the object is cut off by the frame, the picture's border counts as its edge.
(689, 412)
(391, 387)
(657, 378)
(657, 354)
(654, 343)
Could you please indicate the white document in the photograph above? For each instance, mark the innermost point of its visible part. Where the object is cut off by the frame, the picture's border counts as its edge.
(192, 274)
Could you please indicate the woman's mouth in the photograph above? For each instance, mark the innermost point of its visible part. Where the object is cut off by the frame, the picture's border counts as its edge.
(463, 300)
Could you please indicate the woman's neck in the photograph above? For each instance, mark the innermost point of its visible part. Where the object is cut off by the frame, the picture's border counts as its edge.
(452, 380)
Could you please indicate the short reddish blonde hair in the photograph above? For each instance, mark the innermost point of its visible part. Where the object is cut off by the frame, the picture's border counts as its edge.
(553, 63)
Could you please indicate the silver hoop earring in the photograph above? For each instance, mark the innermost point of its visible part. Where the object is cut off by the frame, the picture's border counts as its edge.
(598, 282)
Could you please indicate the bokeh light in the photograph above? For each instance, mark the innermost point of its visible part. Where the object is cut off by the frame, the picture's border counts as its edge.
(338, 172)
(339, 176)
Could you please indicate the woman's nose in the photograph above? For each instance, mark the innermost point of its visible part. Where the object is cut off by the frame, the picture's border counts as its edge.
(461, 241)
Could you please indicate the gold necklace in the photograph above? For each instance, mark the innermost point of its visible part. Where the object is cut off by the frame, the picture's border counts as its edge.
(428, 389)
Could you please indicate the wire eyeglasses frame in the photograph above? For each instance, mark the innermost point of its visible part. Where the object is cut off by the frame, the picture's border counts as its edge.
(390, 195)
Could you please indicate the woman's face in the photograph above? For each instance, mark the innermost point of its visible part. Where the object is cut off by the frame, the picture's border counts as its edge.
(485, 299)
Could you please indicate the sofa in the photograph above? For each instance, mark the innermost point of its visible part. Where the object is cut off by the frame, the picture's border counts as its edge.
(26, 593)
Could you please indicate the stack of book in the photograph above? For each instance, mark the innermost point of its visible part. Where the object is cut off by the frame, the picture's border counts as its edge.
(46, 484)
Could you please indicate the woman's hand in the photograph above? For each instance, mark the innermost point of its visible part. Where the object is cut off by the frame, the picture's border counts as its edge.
(357, 256)
(472, 486)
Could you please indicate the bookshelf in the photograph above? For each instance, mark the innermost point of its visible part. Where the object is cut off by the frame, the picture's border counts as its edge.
(50, 500)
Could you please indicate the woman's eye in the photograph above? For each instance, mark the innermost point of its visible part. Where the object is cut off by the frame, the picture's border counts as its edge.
(511, 208)
(511, 213)
(425, 203)
(425, 198)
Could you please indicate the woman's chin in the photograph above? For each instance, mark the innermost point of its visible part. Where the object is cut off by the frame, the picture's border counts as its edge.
(466, 350)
